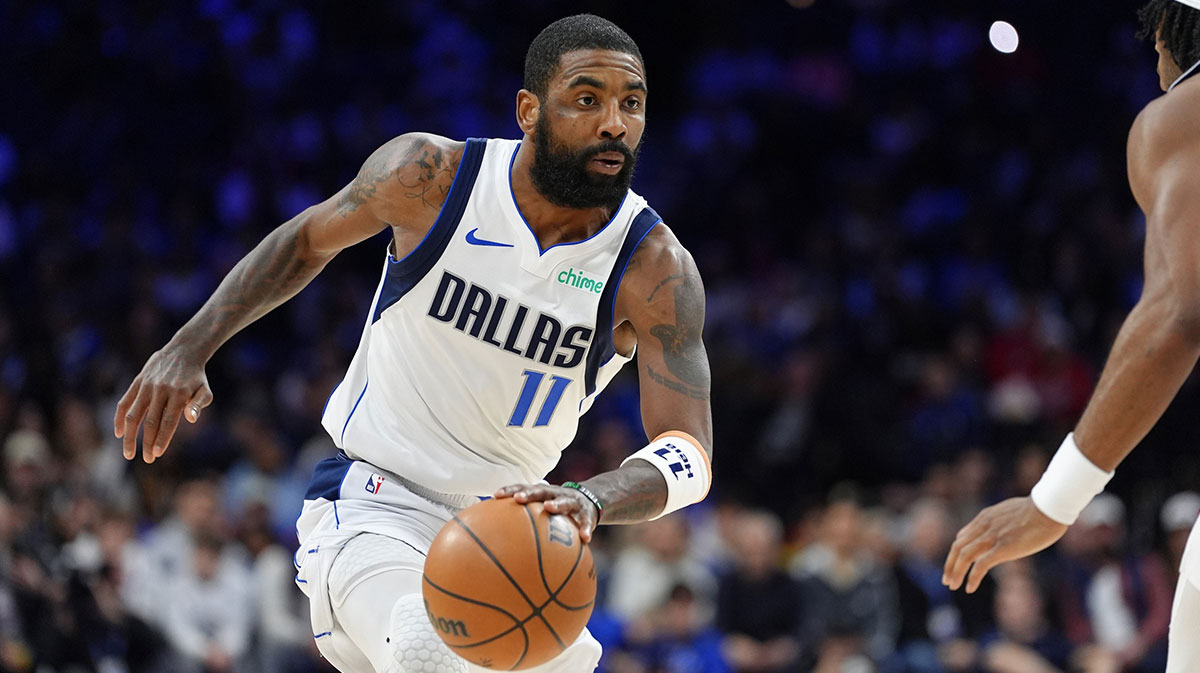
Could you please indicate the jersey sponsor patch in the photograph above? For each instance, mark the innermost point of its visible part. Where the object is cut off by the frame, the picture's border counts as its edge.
(579, 279)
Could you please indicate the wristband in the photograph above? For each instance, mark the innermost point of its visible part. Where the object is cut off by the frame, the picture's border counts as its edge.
(587, 493)
(683, 464)
(1068, 484)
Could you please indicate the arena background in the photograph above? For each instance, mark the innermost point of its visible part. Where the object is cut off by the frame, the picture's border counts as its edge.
(917, 251)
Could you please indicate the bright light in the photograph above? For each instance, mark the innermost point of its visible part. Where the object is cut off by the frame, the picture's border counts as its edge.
(1004, 37)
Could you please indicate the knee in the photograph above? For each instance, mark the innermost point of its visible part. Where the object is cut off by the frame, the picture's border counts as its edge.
(416, 648)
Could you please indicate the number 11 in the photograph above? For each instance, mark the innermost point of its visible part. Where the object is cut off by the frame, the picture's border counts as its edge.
(533, 381)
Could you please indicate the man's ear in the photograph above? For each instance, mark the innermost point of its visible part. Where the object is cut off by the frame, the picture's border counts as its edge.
(528, 109)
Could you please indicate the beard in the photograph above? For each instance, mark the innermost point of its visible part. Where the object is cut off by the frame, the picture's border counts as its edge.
(562, 176)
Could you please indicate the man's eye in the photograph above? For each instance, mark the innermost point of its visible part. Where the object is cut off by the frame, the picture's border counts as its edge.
(587, 100)
(633, 104)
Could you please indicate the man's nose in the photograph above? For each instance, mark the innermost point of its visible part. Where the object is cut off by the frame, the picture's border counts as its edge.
(612, 125)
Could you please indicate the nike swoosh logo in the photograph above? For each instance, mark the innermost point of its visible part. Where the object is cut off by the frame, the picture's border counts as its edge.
(475, 240)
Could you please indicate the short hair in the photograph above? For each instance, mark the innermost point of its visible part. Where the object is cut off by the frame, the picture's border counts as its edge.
(582, 31)
(1180, 25)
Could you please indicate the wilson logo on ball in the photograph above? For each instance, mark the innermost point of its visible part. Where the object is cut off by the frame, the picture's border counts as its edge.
(560, 531)
(450, 627)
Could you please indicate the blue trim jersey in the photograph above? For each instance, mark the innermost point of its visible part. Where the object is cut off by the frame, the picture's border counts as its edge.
(482, 350)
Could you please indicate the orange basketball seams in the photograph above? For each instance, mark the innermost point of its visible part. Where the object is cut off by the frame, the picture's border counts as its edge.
(508, 586)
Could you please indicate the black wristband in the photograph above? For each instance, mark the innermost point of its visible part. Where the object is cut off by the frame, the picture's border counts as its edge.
(587, 493)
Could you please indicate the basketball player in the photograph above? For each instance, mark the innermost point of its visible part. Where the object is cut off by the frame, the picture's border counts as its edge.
(1155, 350)
(520, 276)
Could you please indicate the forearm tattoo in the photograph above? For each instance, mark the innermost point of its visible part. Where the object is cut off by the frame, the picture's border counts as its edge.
(263, 279)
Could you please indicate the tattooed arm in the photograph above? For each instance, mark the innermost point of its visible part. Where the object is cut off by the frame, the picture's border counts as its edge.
(660, 307)
(402, 184)
(661, 301)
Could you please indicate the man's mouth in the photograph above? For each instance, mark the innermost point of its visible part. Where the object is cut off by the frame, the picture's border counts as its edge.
(612, 161)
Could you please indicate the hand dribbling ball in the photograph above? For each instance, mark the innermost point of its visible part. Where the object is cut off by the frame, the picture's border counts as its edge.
(508, 586)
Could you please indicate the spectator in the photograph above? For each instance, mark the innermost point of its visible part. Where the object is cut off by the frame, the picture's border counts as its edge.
(284, 634)
(947, 417)
(1115, 598)
(758, 604)
(1023, 641)
(679, 639)
(644, 573)
(26, 471)
(930, 618)
(131, 642)
(210, 617)
(850, 604)
(263, 474)
(15, 653)
(1178, 517)
(91, 462)
(167, 549)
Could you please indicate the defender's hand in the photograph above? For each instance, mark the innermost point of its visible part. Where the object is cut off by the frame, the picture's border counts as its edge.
(1009, 530)
(171, 384)
(557, 500)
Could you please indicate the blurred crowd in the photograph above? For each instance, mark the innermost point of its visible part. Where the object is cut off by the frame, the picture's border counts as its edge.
(916, 252)
(849, 587)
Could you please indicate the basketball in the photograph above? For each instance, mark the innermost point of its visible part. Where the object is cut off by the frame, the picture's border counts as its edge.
(508, 586)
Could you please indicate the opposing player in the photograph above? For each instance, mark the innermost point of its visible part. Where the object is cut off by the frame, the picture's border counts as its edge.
(1155, 350)
(521, 275)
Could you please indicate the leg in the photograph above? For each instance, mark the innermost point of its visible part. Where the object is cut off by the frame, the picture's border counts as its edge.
(1183, 655)
(375, 588)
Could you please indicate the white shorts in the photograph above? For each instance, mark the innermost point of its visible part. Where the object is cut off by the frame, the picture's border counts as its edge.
(1189, 565)
(1183, 653)
(349, 497)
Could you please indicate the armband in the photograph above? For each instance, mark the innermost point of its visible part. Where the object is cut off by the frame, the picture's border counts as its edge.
(1068, 484)
(587, 493)
(683, 464)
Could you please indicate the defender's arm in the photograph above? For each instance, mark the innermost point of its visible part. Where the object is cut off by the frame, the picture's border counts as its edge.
(1158, 345)
(1154, 352)
(173, 381)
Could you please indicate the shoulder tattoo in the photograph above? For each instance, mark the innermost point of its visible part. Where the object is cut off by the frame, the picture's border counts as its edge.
(428, 185)
(420, 170)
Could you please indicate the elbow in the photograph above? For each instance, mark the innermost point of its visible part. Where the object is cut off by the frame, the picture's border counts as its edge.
(1184, 319)
(1181, 316)
(302, 231)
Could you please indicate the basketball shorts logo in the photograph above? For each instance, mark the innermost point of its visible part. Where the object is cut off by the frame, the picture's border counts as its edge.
(374, 484)
(680, 463)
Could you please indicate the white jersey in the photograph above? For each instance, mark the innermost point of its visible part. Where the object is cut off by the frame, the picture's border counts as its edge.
(482, 350)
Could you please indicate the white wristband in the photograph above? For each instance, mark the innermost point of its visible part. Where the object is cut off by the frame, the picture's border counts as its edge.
(683, 464)
(1069, 483)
